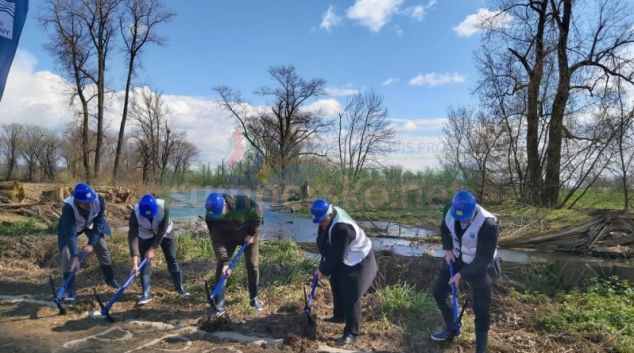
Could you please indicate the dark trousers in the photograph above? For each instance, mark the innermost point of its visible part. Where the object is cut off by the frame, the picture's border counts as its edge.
(252, 259)
(350, 312)
(100, 248)
(481, 301)
(169, 251)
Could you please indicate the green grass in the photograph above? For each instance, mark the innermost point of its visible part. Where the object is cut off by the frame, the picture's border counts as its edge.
(595, 306)
(21, 228)
(408, 308)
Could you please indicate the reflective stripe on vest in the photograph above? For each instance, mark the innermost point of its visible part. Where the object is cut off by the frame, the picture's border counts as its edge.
(80, 222)
(359, 247)
(470, 236)
(147, 230)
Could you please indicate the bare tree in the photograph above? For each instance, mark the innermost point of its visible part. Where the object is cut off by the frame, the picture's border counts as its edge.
(31, 149)
(70, 45)
(151, 118)
(169, 136)
(99, 18)
(13, 134)
(184, 152)
(526, 38)
(364, 133)
(50, 155)
(279, 132)
(622, 124)
(138, 28)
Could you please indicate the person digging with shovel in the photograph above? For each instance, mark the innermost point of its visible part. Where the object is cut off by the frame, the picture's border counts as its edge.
(84, 213)
(348, 260)
(150, 226)
(469, 236)
(233, 220)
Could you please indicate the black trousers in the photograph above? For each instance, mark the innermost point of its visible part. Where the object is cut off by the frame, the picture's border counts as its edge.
(350, 312)
(169, 251)
(481, 301)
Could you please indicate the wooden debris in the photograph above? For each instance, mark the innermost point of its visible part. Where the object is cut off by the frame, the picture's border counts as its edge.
(118, 195)
(12, 190)
(608, 233)
(56, 195)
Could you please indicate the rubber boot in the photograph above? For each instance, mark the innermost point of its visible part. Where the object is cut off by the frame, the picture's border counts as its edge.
(71, 293)
(145, 286)
(177, 276)
(481, 341)
(108, 273)
(253, 295)
(219, 301)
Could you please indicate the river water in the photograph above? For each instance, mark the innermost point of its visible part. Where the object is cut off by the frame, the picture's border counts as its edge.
(409, 241)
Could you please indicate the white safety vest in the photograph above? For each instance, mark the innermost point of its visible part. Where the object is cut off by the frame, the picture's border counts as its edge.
(80, 222)
(360, 246)
(470, 236)
(147, 230)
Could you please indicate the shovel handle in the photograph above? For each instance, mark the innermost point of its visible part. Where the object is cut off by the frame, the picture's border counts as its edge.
(61, 291)
(309, 301)
(224, 276)
(455, 300)
(106, 309)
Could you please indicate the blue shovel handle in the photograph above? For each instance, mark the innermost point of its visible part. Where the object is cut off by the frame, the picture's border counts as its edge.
(224, 276)
(61, 291)
(455, 300)
(312, 291)
(105, 310)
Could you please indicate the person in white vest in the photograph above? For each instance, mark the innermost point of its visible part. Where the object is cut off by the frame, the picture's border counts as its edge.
(348, 260)
(150, 226)
(84, 213)
(469, 237)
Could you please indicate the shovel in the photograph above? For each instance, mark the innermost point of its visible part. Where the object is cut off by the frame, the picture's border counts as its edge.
(58, 295)
(309, 301)
(457, 318)
(105, 309)
(222, 279)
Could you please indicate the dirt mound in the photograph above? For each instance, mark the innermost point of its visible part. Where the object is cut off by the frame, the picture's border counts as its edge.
(289, 308)
(299, 344)
(219, 324)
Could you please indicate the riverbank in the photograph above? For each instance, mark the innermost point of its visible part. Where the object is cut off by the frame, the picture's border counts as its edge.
(533, 309)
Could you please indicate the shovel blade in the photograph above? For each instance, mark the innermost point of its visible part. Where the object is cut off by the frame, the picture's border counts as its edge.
(103, 307)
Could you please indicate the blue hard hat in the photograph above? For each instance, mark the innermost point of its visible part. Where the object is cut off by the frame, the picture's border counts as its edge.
(148, 207)
(319, 209)
(214, 204)
(83, 193)
(463, 205)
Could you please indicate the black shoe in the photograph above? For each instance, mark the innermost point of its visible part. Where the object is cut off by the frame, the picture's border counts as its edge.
(346, 339)
(146, 295)
(443, 335)
(71, 294)
(481, 341)
(108, 273)
(334, 320)
(177, 277)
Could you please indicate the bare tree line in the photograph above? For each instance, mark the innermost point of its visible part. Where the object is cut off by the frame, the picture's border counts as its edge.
(83, 37)
(554, 115)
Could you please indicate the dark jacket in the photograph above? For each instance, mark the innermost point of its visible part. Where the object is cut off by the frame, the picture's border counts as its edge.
(243, 218)
(67, 232)
(355, 280)
(133, 232)
(484, 270)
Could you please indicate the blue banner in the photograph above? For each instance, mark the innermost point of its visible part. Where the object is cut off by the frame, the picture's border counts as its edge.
(12, 18)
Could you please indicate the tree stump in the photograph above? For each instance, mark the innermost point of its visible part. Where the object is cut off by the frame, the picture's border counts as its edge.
(56, 195)
(12, 190)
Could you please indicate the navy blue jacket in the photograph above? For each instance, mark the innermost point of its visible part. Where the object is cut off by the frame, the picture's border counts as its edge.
(67, 232)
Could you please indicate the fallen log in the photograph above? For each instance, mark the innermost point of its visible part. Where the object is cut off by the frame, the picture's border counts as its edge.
(17, 205)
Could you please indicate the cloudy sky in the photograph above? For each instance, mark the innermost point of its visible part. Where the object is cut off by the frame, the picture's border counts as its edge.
(417, 54)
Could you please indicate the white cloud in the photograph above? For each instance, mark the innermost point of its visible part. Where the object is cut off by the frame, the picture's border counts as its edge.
(398, 30)
(435, 79)
(389, 81)
(483, 19)
(32, 97)
(373, 14)
(329, 19)
(429, 124)
(334, 91)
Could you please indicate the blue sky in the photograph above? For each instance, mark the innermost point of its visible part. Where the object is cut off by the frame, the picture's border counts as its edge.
(422, 48)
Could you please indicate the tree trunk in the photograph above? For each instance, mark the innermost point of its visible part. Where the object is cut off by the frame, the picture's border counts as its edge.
(124, 116)
(555, 129)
